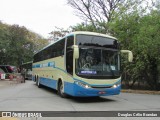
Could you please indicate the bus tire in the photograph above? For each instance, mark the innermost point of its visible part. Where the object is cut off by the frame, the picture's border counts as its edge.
(36, 80)
(60, 89)
(38, 83)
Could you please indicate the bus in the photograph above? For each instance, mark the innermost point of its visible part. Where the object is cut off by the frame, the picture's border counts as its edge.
(26, 68)
(81, 64)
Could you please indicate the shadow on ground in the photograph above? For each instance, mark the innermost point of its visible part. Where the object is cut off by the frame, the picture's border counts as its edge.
(79, 99)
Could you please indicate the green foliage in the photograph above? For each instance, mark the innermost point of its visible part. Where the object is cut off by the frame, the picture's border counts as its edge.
(17, 44)
(141, 35)
(89, 27)
(139, 31)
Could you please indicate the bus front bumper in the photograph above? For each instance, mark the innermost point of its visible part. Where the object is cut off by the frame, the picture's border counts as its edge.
(81, 90)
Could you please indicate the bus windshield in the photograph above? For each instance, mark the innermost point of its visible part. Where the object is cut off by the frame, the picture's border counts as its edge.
(97, 62)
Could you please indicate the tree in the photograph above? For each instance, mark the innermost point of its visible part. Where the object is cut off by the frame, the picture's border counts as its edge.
(58, 33)
(18, 44)
(84, 27)
(4, 41)
(141, 35)
(38, 41)
(136, 26)
(149, 42)
(101, 12)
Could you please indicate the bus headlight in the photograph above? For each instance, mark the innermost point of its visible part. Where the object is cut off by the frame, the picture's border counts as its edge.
(83, 84)
(117, 84)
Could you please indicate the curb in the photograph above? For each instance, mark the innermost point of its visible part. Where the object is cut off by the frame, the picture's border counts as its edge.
(140, 91)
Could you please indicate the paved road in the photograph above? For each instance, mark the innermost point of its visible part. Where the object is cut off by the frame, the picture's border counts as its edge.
(28, 97)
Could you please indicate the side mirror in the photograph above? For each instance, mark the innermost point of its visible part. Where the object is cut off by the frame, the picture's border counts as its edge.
(75, 51)
(130, 55)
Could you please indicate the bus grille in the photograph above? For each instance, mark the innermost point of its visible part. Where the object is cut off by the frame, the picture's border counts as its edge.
(101, 86)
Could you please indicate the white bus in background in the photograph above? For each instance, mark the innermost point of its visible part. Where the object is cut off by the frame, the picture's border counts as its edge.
(26, 70)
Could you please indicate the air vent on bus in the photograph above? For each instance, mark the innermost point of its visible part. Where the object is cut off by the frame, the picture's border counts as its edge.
(101, 86)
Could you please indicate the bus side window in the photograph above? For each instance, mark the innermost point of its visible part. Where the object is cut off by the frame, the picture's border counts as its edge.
(69, 54)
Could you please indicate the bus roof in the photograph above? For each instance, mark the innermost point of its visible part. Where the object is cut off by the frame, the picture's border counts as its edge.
(91, 33)
(79, 32)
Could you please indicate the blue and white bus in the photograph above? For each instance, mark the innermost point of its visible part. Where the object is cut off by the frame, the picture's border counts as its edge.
(80, 64)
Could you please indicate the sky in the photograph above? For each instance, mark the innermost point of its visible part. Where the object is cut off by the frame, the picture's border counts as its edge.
(40, 16)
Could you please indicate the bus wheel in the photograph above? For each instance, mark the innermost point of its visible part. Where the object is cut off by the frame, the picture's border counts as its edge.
(36, 80)
(38, 83)
(60, 90)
